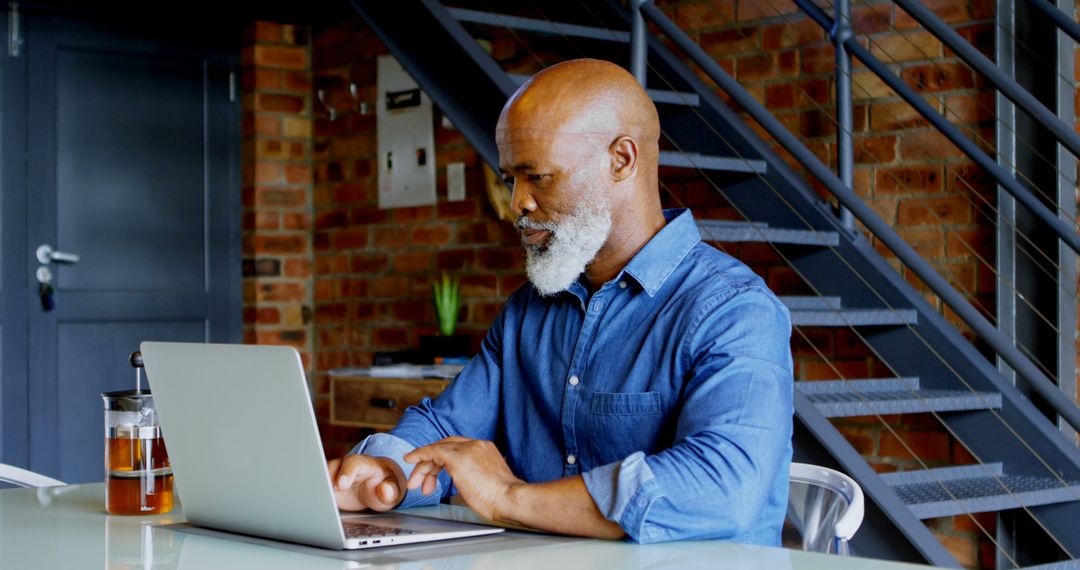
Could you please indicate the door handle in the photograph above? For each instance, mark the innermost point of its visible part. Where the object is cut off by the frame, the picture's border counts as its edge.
(46, 254)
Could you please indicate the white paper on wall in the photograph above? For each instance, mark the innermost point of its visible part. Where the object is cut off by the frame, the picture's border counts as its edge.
(406, 138)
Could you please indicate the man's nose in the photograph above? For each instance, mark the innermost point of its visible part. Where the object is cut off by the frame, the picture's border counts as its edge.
(521, 201)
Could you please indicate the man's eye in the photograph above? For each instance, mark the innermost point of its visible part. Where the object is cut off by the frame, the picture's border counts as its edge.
(508, 180)
(537, 177)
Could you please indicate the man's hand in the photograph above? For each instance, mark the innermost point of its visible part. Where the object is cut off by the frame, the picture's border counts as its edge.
(479, 471)
(361, 482)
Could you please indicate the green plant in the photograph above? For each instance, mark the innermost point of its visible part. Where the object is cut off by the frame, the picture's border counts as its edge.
(447, 303)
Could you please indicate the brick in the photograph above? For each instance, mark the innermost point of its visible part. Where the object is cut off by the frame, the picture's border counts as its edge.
(368, 214)
(758, 67)
(866, 85)
(463, 209)
(731, 41)
(280, 57)
(268, 173)
(487, 232)
(935, 211)
(272, 149)
(791, 34)
(780, 96)
(299, 268)
(968, 243)
(963, 548)
(499, 258)
(818, 59)
(454, 259)
(754, 10)
(510, 283)
(389, 286)
(296, 220)
(413, 215)
(264, 267)
(331, 264)
(295, 338)
(871, 19)
(297, 81)
(908, 179)
(412, 311)
(874, 150)
(337, 218)
(927, 242)
(280, 244)
(350, 146)
(352, 238)
(369, 263)
(939, 77)
(836, 369)
(324, 290)
(298, 174)
(971, 109)
(411, 262)
(976, 522)
(923, 145)
(894, 115)
(817, 123)
(905, 46)
(265, 220)
(280, 292)
(704, 14)
(295, 127)
(350, 193)
(365, 312)
(331, 313)
(266, 125)
(861, 439)
(389, 337)
(437, 235)
(278, 103)
(390, 237)
(811, 93)
(929, 446)
(267, 315)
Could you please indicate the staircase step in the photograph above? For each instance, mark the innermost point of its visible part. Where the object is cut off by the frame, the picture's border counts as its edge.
(705, 162)
(536, 25)
(842, 398)
(733, 231)
(949, 491)
(826, 312)
(657, 95)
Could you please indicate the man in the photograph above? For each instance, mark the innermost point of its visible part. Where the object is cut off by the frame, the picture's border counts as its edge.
(639, 385)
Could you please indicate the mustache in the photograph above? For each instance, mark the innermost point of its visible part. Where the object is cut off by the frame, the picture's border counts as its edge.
(525, 223)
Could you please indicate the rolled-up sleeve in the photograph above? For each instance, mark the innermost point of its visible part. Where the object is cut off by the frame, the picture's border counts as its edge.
(725, 477)
(468, 408)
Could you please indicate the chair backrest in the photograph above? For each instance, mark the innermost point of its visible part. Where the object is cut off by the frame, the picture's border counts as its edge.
(825, 509)
(24, 478)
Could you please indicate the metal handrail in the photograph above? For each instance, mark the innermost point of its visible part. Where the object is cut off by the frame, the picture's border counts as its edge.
(951, 131)
(1067, 409)
(1007, 85)
(1058, 17)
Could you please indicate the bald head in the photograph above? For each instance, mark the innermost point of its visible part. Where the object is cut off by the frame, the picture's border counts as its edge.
(581, 97)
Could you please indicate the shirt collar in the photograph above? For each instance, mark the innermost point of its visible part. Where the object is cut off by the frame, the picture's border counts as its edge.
(652, 265)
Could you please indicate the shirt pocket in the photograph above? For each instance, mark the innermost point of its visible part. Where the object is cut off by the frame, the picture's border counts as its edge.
(621, 423)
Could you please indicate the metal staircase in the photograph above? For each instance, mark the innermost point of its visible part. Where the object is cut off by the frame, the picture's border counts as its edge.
(1024, 462)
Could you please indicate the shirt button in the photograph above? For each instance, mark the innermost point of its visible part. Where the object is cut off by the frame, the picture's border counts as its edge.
(622, 284)
(574, 380)
(571, 459)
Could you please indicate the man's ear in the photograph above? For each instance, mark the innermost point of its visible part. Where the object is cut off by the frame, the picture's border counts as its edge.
(624, 155)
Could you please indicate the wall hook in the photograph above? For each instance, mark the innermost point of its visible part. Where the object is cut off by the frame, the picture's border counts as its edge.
(321, 94)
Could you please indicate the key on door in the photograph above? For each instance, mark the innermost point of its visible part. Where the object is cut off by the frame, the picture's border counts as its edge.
(46, 294)
(45, 289)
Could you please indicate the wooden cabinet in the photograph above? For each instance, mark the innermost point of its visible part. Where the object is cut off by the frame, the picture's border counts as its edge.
(377, 403)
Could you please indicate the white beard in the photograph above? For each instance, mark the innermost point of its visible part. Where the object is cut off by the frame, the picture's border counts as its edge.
(553, 266)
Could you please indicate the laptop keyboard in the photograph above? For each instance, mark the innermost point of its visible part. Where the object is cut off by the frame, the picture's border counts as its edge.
(356, 529)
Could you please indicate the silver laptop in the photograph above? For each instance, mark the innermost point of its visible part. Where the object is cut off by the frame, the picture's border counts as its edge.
(245, 451)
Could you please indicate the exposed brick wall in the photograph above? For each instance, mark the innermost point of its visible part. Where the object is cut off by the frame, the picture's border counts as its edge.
(277, 184)
(373, 268)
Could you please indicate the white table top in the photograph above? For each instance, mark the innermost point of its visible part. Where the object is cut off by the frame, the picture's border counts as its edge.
(67, 527)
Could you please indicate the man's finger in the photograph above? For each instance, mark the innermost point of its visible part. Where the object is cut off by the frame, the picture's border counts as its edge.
(421, 471)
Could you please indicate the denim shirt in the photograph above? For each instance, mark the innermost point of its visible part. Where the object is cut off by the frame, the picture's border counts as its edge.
(669, 389)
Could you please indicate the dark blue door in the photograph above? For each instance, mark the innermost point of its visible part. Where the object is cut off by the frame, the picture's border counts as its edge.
(131, 163)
